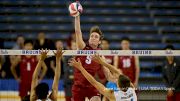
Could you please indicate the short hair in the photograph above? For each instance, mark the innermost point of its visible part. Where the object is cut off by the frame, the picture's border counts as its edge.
(97, 30)
(26, 98)
(104, 39)
(169, 46)
(124, 82)
(28, 41)
(42, 90)
(19, 36)
(125, 38)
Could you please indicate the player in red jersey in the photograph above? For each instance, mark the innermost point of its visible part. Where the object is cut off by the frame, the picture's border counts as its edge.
(27, 66)
(129, 65)
(81, 87)
(105, 46)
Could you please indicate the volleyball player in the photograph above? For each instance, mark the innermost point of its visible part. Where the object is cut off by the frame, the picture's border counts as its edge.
(125, 93)
(39, 92)
(129, 65)
(81, 85)
(27, 67)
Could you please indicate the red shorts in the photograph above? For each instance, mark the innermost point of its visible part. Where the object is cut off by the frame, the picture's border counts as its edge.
(80, 93)
(24, 88)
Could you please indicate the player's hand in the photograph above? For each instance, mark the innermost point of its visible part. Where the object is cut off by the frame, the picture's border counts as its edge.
(43, 54)
(97, 58)
(170, 93)
(59, 53)
(75, 63)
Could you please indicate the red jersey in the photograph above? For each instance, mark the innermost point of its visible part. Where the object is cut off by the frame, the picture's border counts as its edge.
(109, 59)
(91, 67)
(128, 67)
(27, 67)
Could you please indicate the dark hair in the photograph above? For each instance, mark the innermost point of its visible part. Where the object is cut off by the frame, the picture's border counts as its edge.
(42, 90)
(124, 82)
(125, 38)
(28, 41)
(19, 36)
(26, 98)
(104, 39)
(97, 30)
(169, 47)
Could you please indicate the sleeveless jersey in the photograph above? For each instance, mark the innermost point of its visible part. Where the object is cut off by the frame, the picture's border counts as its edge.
(27, 67)
(127, 65)
(91, 67)
(129, 95)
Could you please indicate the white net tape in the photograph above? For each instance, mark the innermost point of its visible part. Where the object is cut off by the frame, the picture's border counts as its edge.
(100, 52)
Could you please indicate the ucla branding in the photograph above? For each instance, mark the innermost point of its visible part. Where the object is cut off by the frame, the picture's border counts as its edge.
(4, 52)
(114, 52)
(30, 52)
(147, 52)
(86, 52)
(168, 52)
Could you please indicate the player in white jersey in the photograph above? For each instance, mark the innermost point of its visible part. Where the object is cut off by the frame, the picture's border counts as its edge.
(39, 92)
(126, 91)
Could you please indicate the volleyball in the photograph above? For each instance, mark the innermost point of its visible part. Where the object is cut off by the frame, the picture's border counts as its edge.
(75, 9)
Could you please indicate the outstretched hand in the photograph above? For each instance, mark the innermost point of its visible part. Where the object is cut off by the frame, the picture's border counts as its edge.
(43, 54)
(77, 64)
(97, 58)
(59, 53)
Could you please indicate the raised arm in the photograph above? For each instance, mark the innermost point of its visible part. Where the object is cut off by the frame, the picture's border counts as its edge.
(44, 70)
(57, 74)
(79, 38)
(100, 87)
(35, 80)
(109, 76)
(102, 61)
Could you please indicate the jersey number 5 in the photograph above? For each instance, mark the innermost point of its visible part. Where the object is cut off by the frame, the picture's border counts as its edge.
(88, 59)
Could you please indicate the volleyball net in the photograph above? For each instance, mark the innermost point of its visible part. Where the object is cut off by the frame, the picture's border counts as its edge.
(100, 52)
(150, 79)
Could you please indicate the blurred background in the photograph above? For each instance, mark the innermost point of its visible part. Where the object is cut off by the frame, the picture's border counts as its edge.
(150, 25)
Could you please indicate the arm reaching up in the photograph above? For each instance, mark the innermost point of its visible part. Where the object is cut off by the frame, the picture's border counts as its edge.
(57, 74)
(101, 60)
(79, 38)
(35, 80)
(100, 87)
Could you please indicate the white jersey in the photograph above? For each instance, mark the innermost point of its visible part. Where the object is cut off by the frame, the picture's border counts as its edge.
(129, 95)
(46, 99)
